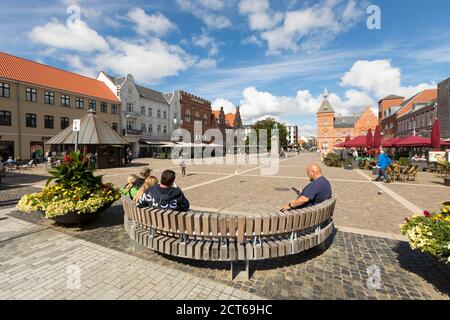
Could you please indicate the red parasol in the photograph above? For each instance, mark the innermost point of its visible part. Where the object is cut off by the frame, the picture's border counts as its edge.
(358, 142)
(436, 135)
(369, 139)
(347, 139)
(414, 141)
(377, 138)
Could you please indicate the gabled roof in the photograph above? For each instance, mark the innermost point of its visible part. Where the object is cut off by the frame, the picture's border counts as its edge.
(34, 73)
(345, 121)
(229, 118)
(93, 130)
(391, 97)
(151, 94)
(427, 95)
(325, 106)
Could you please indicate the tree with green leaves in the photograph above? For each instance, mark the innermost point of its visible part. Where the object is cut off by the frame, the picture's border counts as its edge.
(268, 124)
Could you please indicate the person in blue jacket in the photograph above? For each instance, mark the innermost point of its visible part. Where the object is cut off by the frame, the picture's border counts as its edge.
(383, 163)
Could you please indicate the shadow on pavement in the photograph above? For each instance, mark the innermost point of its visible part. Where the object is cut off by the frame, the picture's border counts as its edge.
(425, 266)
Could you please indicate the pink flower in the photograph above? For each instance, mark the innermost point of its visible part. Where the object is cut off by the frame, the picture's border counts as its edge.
(426, 214)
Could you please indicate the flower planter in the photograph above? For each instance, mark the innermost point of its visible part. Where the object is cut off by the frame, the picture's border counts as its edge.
(348, 167)
(74, 218)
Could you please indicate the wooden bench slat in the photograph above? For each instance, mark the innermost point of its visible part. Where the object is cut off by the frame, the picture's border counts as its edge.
(215, 251)
(266, 224)
(224, 251)
(223, 225)
(232, 226)
(214, 226)
(241, 229)
(274, 223)
(249, 226)
(258, 225)
(265, 250)
(189, 218)
(205, 223)
(249, 251)
(207, 250)
(198, 223)
(190, 249)
(181, 223)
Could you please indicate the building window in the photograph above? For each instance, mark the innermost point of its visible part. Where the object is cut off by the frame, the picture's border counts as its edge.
(164, 115)
(175, 115)
(143, 127)
(5, 118)
(197, 116)
(114, 108)
(150, 128)
(129, 107)
(115, 126)
(205, 120)
(48, 122)
(104, 107)
(5, 90)
(49, 97)
(165, 130)
(187, 117)
(64, 123)
(150, 112)
(158, 114)
(159, 129)
(143, 111)
(65, 100)
(79, 103)
(31, 94)
(92, 104)
(31, 120)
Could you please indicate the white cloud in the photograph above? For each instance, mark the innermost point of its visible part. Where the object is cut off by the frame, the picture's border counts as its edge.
(148, 61)
(228, 106)
(379, 78)
(257, 104)
(212, 4)
(207, 63)
(260, 17)
(207, 42)
(75, 36)
(78, 66)
(207, 11)
(146, 24)
(308, 28)
(252, 40)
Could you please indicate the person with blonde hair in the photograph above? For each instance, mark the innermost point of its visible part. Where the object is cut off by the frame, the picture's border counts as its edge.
(130, 189)
(148, 183)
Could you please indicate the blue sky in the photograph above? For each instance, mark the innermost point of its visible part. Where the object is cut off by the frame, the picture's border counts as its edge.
(271, 57)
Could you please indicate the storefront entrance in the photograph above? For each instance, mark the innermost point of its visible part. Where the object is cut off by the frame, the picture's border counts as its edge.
(6, 149)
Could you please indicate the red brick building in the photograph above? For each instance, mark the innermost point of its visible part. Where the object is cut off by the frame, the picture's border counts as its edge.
(393, 107)
(193, 109)
(332, 130)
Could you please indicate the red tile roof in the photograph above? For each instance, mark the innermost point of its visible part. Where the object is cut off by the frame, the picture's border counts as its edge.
(229, 118)
(22, 70)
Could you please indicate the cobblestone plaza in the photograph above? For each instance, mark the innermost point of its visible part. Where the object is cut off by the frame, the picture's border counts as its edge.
(36, 255)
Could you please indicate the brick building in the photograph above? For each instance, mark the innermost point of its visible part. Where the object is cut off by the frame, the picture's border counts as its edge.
(443, 107)
(332, 130)
(418, 122)
(193, 109)
(38, 101)
(394, 107)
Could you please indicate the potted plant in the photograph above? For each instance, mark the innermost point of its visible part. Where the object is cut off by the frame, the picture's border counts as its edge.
(445, 167)
(75, 197)
(430, 232)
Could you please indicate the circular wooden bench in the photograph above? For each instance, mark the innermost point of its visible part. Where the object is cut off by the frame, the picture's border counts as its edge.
(213, 236)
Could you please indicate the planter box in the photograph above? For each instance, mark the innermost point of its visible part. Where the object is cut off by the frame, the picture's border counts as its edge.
(74, 218)
(348, 167)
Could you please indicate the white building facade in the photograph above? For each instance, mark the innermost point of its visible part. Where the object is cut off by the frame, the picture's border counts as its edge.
(292, 135)
(145, 113)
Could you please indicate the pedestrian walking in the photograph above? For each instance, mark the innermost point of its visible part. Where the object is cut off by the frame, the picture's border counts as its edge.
(183, 165)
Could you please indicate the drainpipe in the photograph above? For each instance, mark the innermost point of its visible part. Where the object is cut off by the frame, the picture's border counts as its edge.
(18, 120)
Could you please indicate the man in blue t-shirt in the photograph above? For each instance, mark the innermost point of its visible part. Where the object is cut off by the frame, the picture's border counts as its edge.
(318, 191)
